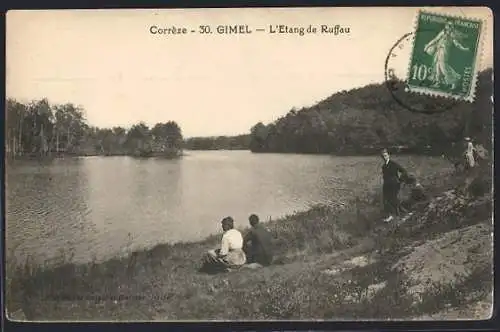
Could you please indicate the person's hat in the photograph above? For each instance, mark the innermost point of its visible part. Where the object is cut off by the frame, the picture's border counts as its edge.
(467, 138)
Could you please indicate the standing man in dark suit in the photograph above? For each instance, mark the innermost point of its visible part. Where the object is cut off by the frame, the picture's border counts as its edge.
(392, 174)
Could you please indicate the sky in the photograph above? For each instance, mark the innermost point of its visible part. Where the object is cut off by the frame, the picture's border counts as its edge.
(108, 62)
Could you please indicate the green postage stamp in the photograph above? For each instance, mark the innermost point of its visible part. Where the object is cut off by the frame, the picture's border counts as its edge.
(445, 57)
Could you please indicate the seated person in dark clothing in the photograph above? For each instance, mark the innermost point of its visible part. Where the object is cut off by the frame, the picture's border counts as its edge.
(258, 243)
(417, 193)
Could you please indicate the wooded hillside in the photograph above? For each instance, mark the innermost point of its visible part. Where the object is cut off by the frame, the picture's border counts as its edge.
(362, 120)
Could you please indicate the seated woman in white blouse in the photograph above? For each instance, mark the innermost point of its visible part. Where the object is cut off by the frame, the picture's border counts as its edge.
(230, 255)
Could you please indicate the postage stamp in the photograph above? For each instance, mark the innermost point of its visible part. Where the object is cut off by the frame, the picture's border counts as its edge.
(445, 56)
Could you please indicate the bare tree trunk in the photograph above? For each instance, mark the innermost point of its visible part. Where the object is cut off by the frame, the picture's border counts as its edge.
(43, 141)
(68, 141)
(50, 144)
(33, 128)
(8, 145)
(20, 141)
(14, 145)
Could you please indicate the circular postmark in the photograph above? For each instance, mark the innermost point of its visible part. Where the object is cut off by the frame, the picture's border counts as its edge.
(395, 72)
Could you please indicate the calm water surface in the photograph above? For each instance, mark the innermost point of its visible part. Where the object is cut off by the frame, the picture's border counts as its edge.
(99, 207)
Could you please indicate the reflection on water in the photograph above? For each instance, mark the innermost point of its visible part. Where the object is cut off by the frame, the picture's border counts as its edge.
(46, 206)
(101, 206)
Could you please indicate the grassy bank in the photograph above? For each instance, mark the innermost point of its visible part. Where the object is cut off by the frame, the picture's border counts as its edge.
(332, 262)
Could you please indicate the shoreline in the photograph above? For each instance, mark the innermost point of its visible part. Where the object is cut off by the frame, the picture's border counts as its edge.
(10, 158)
(415, 163)
(72, 155)
(343, 244)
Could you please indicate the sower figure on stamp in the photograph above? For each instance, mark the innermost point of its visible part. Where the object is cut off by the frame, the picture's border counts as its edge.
(439, 48)
(392, 173)
(230, 255)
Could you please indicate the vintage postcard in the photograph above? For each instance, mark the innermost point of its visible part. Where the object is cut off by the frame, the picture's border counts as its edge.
(252, 164)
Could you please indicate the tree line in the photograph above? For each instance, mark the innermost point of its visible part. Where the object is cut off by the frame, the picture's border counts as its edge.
(361, 121)
(39, 129)
(358, 121)
(238, 142)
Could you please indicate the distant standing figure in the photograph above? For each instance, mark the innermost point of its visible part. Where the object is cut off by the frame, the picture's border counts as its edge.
(469, 153)
(230, 255)
(481, 152)
(258, 243)
(392, 172)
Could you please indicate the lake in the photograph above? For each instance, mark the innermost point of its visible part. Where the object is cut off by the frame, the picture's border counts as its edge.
(100, 207)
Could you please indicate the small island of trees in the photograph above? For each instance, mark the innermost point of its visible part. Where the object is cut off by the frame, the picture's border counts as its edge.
(39, 129)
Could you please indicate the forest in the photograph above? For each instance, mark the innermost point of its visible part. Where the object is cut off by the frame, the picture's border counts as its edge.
(363, 120)
(354, 122)
(39, 129)
(238, 142)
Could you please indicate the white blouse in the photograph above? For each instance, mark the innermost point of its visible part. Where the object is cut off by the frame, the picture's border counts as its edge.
(231, 240)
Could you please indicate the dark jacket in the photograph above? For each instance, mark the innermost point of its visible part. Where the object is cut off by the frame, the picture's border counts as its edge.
(261, 248)
(418, 194)
(393, 173)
